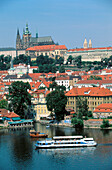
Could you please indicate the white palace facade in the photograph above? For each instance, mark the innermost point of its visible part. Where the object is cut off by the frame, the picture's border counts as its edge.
(89, 53)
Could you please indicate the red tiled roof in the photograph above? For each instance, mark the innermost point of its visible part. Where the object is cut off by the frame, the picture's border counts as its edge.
(4, 113)
(89, 91)
(94, 82)
(90, 49)
(47, 48)
(105, 107)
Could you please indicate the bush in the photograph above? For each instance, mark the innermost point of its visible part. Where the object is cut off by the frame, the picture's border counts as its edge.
(77, 123)
(105, 124)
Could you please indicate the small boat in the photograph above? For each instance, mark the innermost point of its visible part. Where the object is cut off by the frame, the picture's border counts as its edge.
(35, 134)
(66, 142)
(47, 126)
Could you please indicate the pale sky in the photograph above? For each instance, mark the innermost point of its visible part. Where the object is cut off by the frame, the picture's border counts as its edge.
(69, 22)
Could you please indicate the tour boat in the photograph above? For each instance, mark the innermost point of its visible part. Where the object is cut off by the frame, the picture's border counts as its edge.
(35, 134)
(65, 142)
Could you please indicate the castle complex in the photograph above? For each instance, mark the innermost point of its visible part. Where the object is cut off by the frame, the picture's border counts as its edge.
(88, 53)
(28, 41)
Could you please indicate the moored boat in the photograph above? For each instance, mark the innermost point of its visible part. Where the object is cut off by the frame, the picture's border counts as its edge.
(35, 134)
(66, 142)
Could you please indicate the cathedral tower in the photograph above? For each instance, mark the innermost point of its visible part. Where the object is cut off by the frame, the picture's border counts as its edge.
(18, 41)
(26, 38)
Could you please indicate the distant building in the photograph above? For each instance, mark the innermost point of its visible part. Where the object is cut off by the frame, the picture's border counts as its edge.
(10, 51)
(89, 53)
(51, 50)
(28, 41)
(103, 111)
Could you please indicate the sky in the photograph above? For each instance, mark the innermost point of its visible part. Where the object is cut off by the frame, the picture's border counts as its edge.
(68, 22)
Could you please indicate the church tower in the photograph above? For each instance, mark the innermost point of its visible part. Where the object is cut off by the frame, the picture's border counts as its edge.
(26, 38)
(90, 44)
(85, 44)
(18, 41)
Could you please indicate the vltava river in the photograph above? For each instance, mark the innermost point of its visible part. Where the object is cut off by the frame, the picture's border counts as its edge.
(17, 151)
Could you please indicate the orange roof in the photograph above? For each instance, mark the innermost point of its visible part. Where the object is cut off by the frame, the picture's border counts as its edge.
(89, 91)
(105, 107)
(47, 48)
(90, 49)
(94, 82)
(4, 113)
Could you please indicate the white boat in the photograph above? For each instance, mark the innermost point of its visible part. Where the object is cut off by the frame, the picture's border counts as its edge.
(65, 142)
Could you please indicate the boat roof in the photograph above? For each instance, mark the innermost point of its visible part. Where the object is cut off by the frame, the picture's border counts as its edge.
(67, 137)
(88, 138)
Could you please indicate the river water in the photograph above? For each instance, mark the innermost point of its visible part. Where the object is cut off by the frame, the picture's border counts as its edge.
(17, 150)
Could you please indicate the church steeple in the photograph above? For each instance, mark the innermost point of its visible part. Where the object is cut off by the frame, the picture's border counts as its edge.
(18, 41)
(90, 44)
(27, 30)
(85, 44)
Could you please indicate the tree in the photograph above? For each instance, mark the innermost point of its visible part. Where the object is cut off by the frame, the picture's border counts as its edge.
(70, 58)
(82, 107)
(56, 102)
(22, 59)
(3, 104)
(105, 124)
(62, 69)
(77, 123)
(19, 97)
(94, 78)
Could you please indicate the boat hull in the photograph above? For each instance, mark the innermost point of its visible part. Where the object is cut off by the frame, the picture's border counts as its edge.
(38, 135)
(64, 146)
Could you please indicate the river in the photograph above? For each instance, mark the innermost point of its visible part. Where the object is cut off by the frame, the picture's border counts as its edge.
(17, 150)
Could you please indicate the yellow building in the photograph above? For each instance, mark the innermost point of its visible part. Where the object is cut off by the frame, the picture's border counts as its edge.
(39, 103)
(94, 95)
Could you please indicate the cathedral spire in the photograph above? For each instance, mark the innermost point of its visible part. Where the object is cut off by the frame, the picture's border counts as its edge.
(90, 44)
(85, 44)
(27, 30)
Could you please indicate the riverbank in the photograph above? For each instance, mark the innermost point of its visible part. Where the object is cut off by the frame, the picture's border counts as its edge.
(86, 126)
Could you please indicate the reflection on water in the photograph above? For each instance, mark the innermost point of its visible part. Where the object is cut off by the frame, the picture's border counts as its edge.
(67, 151)
(17, 150)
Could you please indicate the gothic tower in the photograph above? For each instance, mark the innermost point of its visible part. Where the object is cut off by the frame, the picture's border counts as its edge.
(18, 41)
(26, 38)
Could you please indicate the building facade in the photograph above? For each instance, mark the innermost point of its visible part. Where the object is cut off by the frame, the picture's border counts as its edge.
(89, 53)
(94, 95)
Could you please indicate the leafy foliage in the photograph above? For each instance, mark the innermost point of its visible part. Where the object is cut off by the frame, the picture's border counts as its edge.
(105, 124)
(3, 104)
(82, 107)
(56, 102)
(94, 78)
(77, 123)
(22, 59)
(5, 62)
(62, 69)
(41, 60)
(19, 97)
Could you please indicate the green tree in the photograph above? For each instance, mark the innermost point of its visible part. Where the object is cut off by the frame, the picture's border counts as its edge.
(62, 69)
(22, 59)
(105, 124)
(94, 78)
(77, 123)
(56, 102)
(3, 104)
(19, 97)
(82, 107)
(70, 58)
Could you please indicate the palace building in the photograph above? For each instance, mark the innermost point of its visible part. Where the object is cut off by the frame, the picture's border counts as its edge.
(88, 53)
